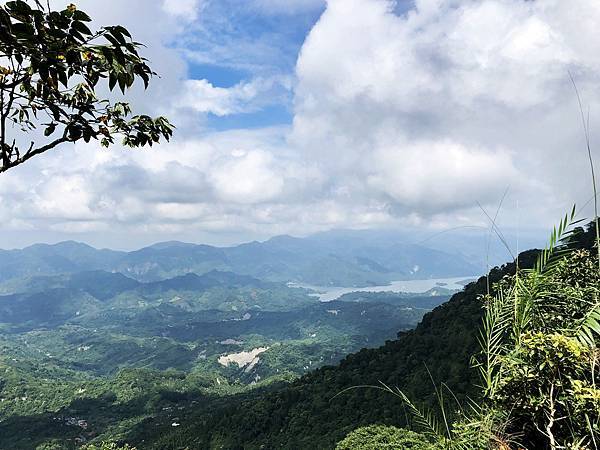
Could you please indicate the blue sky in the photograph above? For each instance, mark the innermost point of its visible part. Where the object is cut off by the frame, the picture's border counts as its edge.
(272, 42)
(300, 116)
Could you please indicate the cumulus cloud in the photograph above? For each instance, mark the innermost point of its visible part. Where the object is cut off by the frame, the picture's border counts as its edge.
(456, 176)
(407, 118)
(185, 9)
(246, 177)
(244, 97)
(449, 103)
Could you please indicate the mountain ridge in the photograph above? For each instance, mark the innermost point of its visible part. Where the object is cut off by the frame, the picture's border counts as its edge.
(318, 260)
(321, 408)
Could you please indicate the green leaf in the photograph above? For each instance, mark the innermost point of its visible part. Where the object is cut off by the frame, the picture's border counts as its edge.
(81, 27)
(62, 76)
(112, 81)
(112, 40)
(146, 78)
(118, 36)
(50, 129)
(122, 82)
(23, 31)
(19, 6)
(75, 132)
(81, 16)
(123, 30)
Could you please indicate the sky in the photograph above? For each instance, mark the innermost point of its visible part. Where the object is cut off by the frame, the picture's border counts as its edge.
(300, 116)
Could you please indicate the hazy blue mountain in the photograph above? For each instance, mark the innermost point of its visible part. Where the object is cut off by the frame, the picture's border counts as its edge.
(169, 259)
(342, 258)
(98, 283)
(194, 282)
(64, 257)
(474, 242)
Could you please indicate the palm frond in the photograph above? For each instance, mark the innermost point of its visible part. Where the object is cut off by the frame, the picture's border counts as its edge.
(496, 323)
(424, 419)
(589, 327)
(553, 252)
(524, 294)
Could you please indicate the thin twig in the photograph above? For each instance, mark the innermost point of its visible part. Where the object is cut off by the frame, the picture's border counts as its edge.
(586, 131)
(497, 231)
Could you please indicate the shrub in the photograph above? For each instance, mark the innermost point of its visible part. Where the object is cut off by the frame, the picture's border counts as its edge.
(379, 437)
(540, 359)
(108, 446)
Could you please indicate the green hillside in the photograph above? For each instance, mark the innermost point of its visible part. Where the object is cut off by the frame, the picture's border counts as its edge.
(111, 351)
(151, 364)
(309, 413)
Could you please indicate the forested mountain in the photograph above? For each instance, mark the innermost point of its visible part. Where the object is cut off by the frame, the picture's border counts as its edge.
(213, 360)
(72, 345)
(317, 411)
(308, 414)
(336, 259)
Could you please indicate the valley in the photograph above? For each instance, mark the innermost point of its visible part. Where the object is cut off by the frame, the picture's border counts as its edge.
(88, 345)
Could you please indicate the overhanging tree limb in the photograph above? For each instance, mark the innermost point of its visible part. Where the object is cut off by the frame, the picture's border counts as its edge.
(50, 66)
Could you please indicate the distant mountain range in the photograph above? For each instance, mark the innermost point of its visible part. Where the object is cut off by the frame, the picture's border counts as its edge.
(339, 259)
(129, 343)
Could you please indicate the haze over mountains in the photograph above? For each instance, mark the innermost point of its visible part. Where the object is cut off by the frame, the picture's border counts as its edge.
(119, 339)
(81, 327)
(341, 258)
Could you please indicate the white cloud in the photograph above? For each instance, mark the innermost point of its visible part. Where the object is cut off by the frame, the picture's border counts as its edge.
(185, 9)
(398, 120)
(246, 177)
(203, 97)
(433, 176)
(449, 103)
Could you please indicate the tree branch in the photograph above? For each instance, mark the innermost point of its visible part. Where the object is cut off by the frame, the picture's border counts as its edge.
(31, 153)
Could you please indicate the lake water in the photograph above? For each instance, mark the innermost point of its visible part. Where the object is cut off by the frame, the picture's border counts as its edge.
(330, 293)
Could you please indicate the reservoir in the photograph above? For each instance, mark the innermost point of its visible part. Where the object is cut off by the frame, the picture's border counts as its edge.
(330, 293)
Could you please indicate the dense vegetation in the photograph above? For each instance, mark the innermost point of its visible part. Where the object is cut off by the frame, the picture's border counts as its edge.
(379, 437)
(105, 395)
(93, 354)
(309, 414)
(538, 360)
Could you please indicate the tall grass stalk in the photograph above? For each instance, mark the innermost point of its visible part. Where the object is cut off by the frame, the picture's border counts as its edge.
(586, 131)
